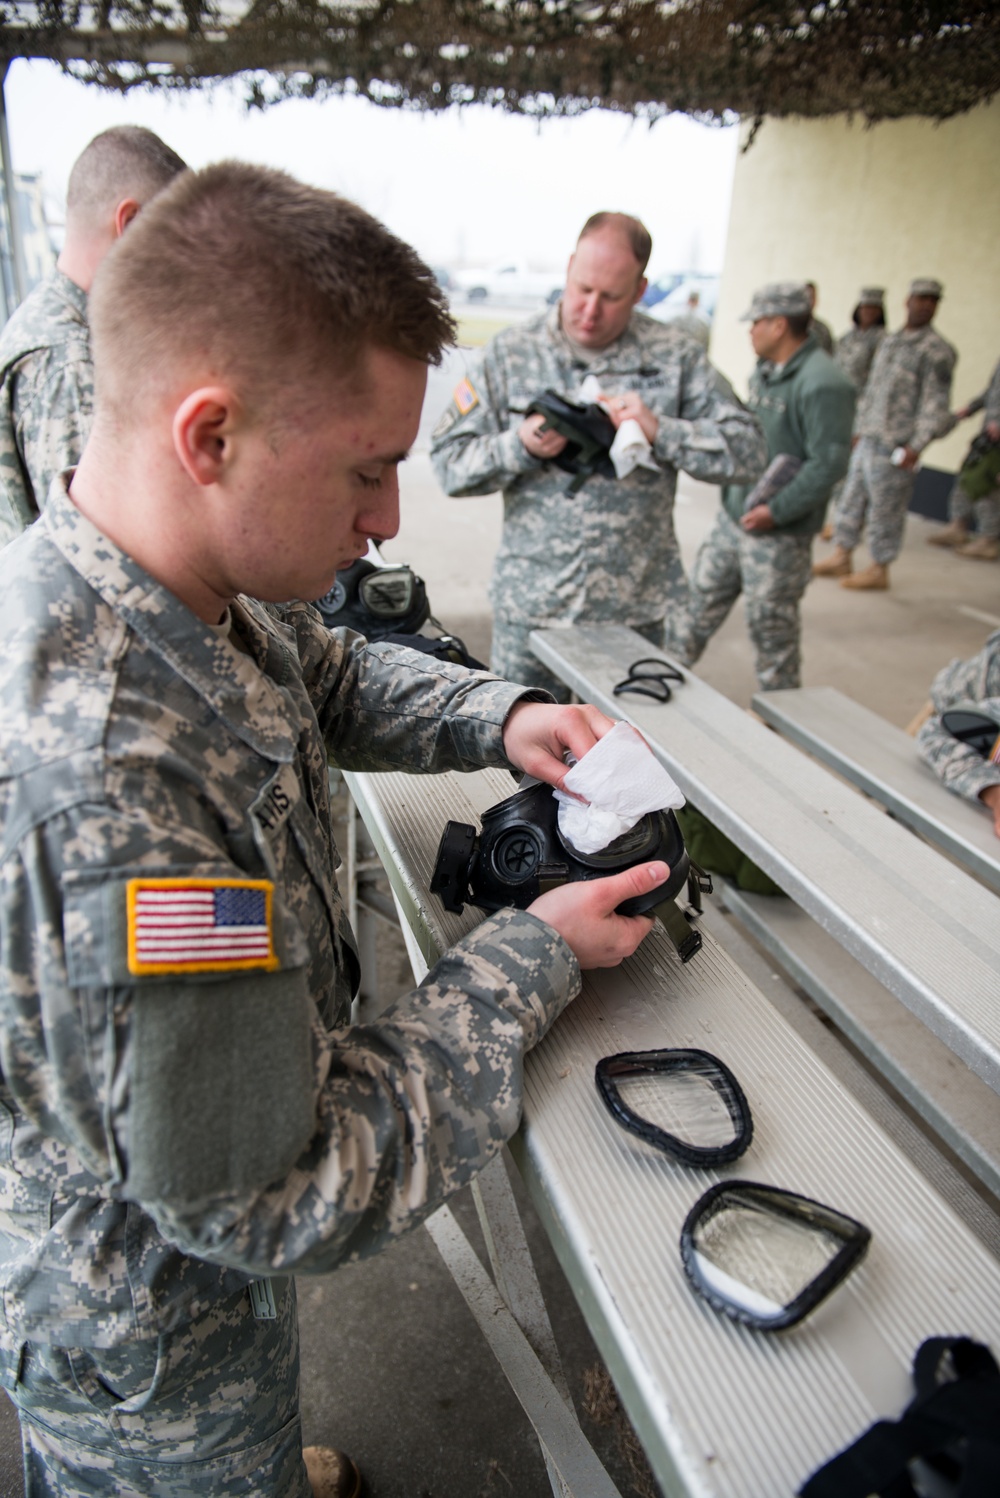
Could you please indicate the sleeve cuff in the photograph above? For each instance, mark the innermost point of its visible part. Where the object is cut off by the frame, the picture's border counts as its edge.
(514, 456)
(538, 970)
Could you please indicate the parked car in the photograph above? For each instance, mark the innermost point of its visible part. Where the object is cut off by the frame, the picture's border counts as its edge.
(658, 289)
(675, 303)
(508, 281)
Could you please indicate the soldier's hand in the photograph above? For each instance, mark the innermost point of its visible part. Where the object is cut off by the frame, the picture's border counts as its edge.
(536, 736)
(630, 407)
(909, 460)
(758, 519)
(993, 431)
(584, 914)
(539, 444)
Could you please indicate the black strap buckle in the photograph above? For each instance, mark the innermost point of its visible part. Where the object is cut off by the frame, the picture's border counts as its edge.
(650, 677)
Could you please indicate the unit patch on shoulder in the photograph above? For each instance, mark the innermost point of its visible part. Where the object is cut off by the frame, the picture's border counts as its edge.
(465, 396)
(199, 925)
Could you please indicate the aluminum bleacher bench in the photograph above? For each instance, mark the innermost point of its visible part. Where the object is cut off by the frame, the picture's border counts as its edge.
(722, 1411)
(926, 930)
(882, 760)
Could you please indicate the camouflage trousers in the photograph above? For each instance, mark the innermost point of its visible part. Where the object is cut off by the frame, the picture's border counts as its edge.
(511, 656)
(986, 511)
(771, 570)
(207, 1411)
(876, 490)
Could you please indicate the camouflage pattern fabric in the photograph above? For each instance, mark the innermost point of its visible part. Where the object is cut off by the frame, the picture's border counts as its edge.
(973, 683)
(46, 397)
(989, 401)
(878, 492)
(694, 326)
(174, 1132)
(609, 553)
(511, 656)
(207, 1411)
(986, 512)
(908, 395)
(855, 352)
(771, 570)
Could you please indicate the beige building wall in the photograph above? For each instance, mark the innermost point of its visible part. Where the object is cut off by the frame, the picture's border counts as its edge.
(845, 206)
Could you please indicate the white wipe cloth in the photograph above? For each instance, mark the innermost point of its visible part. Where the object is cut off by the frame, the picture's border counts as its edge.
(630, 449)
(620, 781)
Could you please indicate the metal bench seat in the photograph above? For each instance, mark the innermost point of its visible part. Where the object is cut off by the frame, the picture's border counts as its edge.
(722, 1412)
(883, 762)
(928, 931)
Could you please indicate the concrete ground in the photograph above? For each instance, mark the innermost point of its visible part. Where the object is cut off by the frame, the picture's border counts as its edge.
(394, 1368)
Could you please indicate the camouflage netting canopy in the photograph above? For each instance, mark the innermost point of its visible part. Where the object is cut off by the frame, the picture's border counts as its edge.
(709, 58)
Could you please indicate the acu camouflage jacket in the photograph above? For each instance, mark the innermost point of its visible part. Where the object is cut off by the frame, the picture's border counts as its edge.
(175, 1119)
(609, 552)
(972, 683)
(46, 397)
(908, 395)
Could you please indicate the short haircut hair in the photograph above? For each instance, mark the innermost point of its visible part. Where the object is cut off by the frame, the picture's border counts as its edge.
(632, 230)
(127, 161)
(798, 323)
(241, 273)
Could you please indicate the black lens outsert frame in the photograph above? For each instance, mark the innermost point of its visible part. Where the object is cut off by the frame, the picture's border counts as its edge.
(660, 1063)
(854, 1238)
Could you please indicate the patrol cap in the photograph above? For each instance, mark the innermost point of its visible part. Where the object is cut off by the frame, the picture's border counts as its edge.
(926, 286)
(871, 296)
(779, 299)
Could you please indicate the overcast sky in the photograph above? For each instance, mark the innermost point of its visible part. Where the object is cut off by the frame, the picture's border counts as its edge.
(465, 187)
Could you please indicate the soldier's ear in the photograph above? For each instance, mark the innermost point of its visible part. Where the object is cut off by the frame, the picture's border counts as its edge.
(203, 429)
(125, 212)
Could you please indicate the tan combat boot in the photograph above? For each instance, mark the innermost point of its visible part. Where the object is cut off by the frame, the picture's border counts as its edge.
(875, 576)
(837, 564)
(953, 534)
(983, 547)
(331, 1473)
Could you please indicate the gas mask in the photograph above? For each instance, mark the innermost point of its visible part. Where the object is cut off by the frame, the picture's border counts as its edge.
(519, 853)
(376, 601)
(589, 433)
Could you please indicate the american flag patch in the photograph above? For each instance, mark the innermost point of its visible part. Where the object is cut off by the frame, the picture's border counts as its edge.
(465, 396)
(199, 925)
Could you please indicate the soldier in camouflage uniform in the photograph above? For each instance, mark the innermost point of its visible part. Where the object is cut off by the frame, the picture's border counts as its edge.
(189, 1116)
(821, 332)
(962, 508)
(761, 543)
(46, 372)
(856, 348)
(975, 684)
(905, 406)
(607, 553)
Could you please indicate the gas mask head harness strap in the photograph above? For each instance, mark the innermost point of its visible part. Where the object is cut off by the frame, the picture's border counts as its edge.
(519, 853)
(589, 433)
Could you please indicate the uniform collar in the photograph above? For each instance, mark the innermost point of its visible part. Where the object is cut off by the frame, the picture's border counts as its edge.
(626, 351)
(67, 291)
(236, 686)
